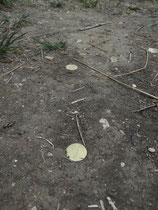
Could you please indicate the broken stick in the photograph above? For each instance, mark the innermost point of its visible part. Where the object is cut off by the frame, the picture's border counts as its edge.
(79, 130)
(145, 108)
(40, 137)
(93, 26)
(111, 203)
(117, 81)
(8, 72)
(137, 70)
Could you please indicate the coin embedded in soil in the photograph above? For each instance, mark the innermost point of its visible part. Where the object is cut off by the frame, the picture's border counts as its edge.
(76, 152)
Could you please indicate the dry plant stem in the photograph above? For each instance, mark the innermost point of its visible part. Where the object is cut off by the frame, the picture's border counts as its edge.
(119, 82)
(137, 70)
(79, 130)
(78, 100)
(77, 89)
(13, 69)
(58, 207)
(40, 137)
(99, 48)
(111, 203)
(42, 54)
(145, 108)
(94, 26)
(102, 205)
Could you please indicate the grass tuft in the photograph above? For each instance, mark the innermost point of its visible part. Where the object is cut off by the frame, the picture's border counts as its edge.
(49, 46)
(58, 4)
(89, 3)
(11, 33)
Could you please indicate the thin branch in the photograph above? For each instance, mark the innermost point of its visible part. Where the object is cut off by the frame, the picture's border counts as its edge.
(145, 108)
(40, 137)
(102, 205)
(93, 26)
(117, 81)
(13, 69)
(78, 100)
(111, 203)
(79, 130)
(137, 70)
(99, 48)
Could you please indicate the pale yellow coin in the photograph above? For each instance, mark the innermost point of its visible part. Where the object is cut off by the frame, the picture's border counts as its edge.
(76, 152)
(71, 67)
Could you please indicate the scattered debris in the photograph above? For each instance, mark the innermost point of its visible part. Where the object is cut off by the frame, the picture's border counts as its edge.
(50, 154)
(76, 152)
(153, 50)
(71, 67)
(152, 150)
(102, 205)
(122, 164)
(78, 100)
(119, 82)
(93, 206)
(79, 130)
(40, 137)
(50, 58)
(105, 123)
(113, 59)
(111, 203)
(94, 26)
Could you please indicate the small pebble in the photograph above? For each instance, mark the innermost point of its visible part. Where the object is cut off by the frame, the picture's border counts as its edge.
(34, 208)
(152, 150)
(133, 85)
(113, 59)
(50, 154)
(108, 111)
(13, 184)
(122, 164)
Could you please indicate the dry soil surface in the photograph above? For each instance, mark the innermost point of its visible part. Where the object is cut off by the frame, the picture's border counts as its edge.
(36, 101)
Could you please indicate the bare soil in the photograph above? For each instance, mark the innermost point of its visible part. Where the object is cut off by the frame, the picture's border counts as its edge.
(36, 101)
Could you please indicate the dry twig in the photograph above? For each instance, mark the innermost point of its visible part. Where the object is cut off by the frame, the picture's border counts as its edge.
(99, 48)
(13, 69)
(58, 207)
(111, 203)
(74, 91)
(94, 26)
(42, 54)
(119, 82)
(40, 137)
(102, 205)
(145, 108)
(78, 100)
(79, 130)
(137, 70)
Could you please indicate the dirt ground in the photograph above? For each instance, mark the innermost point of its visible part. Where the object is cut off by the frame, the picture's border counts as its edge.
(36, 101)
